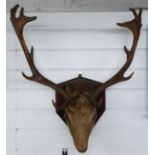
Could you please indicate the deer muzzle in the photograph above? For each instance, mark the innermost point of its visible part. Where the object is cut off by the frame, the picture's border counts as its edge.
(81, 143)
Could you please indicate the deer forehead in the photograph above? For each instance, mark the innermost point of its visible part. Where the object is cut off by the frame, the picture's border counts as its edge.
(80, 109)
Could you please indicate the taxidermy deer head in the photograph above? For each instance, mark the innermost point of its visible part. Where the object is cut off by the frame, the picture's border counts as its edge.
(80, 102)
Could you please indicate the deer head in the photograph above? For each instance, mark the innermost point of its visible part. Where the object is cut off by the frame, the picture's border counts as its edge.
(80, 115)
(80, 102)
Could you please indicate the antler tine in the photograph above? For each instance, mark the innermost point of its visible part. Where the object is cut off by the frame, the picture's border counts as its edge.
(22, 19)
(18, 24)
(135, 13)
(134, 26)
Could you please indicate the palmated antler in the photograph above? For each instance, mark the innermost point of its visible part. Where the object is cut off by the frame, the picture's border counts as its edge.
(134, 26)
(18, 24)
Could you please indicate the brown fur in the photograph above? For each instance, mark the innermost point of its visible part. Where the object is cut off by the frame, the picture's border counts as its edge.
(80, 115)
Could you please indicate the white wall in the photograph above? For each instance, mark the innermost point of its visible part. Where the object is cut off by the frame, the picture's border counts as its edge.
(77, 5)
(65, 44)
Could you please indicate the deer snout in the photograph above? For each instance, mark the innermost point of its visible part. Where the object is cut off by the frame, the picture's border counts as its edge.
(81, 147)
(81, 143)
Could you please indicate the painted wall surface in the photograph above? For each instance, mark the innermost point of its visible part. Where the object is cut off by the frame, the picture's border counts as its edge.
(66, 44)
(77, 5)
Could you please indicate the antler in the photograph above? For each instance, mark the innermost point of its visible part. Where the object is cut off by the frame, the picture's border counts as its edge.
(18, 24)
(134, 26)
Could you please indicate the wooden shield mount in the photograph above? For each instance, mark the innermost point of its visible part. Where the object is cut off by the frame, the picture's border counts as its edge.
(82, 84)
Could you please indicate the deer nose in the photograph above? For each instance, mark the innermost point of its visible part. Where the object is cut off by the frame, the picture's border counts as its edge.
(82, 150)
(81, 147)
